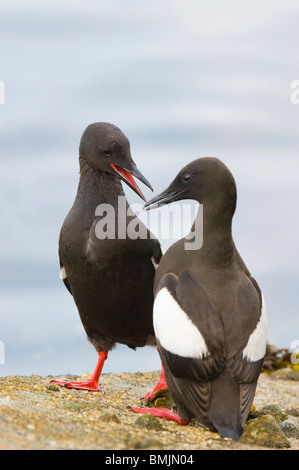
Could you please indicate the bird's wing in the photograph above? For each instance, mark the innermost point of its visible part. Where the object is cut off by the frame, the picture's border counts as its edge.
(195, 344)
(63, 276)
(112, 234)
(156, 252)
(190, 339)
(245, 363)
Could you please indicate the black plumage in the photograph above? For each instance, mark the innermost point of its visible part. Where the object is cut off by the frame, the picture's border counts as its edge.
(109, 274)
(209, 316)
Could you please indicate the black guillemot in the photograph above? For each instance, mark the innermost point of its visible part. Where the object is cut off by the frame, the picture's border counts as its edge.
(209, 314)
(110, 278)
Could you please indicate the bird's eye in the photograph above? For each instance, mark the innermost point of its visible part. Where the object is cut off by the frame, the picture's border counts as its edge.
(107, 153)
(186, 177)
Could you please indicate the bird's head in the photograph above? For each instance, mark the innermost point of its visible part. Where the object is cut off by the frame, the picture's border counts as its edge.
(204, 180)
(104, 148)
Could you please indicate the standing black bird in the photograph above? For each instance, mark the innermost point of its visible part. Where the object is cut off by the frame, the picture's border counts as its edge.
(209, 315)
(107, 255)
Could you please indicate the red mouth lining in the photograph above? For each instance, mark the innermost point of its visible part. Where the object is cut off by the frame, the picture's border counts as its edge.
(128, 177)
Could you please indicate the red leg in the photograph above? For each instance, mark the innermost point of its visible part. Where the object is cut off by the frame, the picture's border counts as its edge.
(162, 413)
(160, 386)
(93, 383)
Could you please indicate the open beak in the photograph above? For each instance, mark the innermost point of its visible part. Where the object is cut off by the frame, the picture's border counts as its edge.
(163, 198)
(127, 176)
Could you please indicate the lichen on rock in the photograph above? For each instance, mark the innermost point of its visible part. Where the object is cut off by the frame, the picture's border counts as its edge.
(274, 411)
(34, 415)
(264, 431)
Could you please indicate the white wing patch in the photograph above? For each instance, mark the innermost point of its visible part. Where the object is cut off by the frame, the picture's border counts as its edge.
(63, 274)
(154, 262)
(174, 329)
(256, 345)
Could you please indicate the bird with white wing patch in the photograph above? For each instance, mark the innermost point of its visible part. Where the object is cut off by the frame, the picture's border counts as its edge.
(209, 315)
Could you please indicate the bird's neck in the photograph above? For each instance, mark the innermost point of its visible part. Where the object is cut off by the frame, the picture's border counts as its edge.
(97, 187)
(212, 231)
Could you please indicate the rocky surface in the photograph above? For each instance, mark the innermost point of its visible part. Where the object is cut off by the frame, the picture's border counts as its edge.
(35, 414)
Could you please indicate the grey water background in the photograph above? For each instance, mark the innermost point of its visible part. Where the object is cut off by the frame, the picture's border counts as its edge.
(182, 79)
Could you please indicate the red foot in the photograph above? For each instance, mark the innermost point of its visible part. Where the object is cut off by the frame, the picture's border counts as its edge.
(161, 413)
(92, 384)
(160, 386)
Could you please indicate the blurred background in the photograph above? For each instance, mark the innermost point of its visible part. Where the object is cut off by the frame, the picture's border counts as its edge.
(182, 79)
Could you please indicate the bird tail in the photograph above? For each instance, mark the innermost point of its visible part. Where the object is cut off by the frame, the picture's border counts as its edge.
(225, 412)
